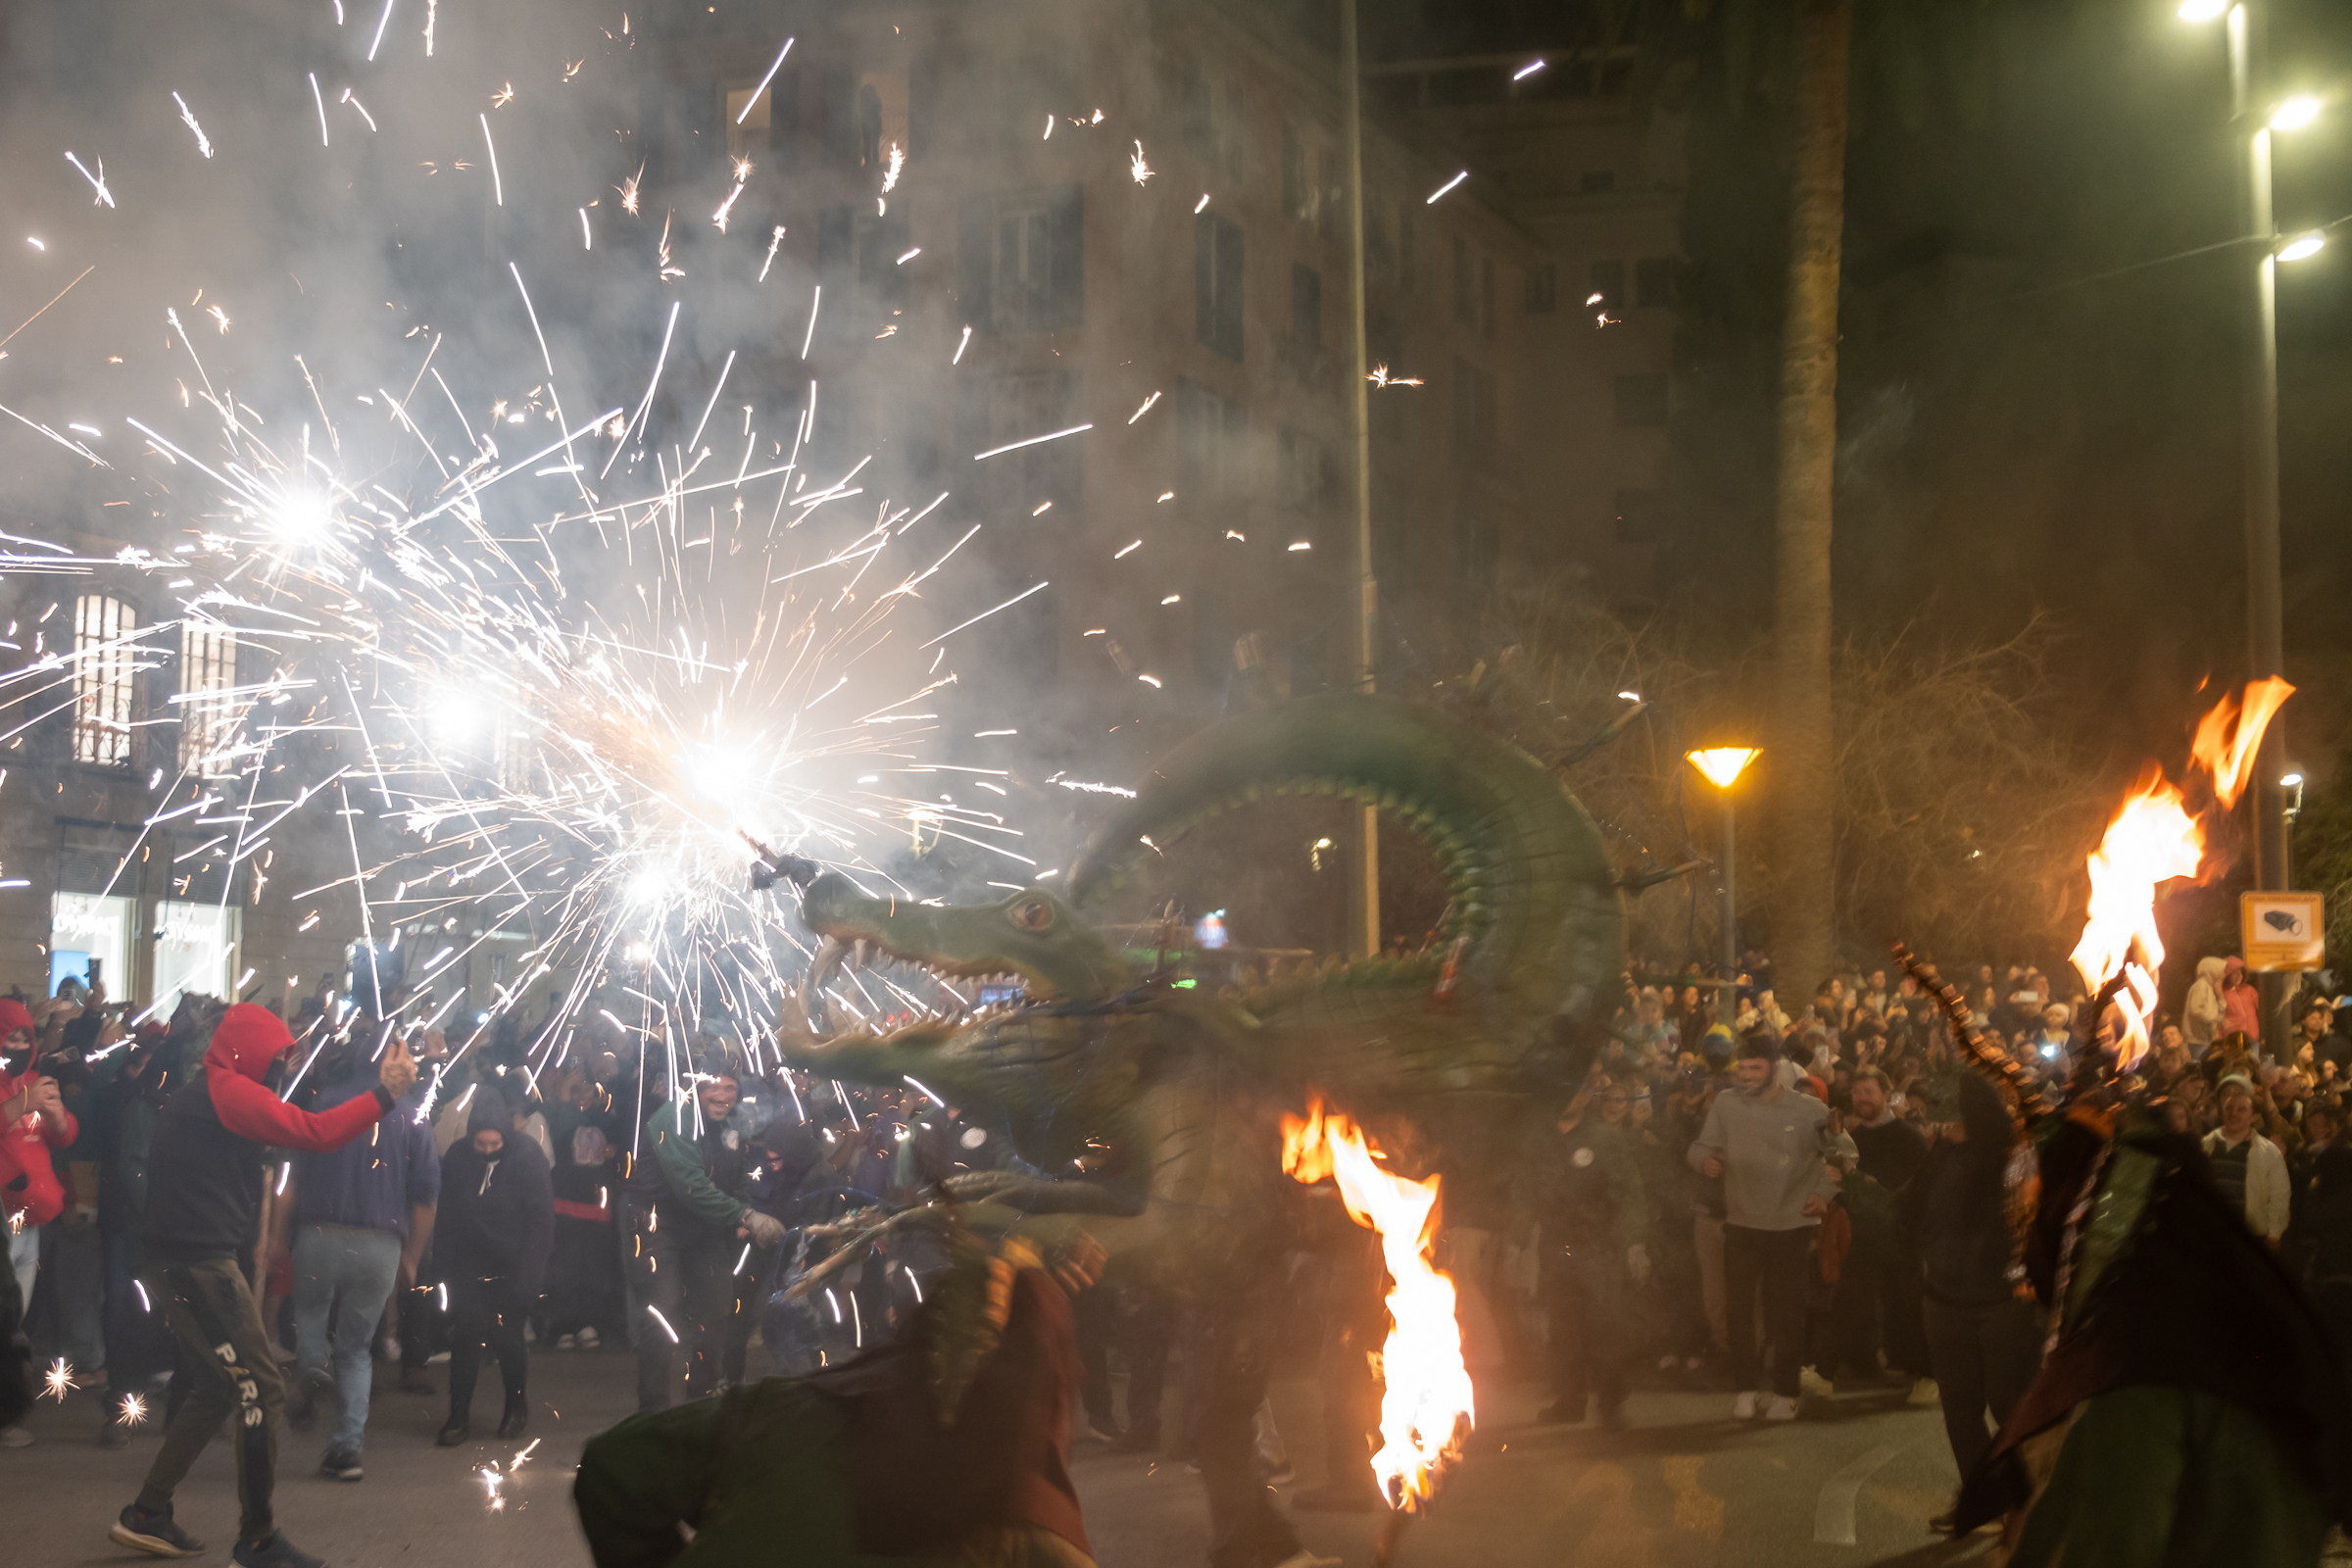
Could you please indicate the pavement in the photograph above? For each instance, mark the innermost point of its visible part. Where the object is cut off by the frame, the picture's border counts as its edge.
(1852, 1483)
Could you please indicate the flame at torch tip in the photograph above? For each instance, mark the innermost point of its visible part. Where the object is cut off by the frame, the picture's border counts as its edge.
(1426, 1404)
(2229, 736)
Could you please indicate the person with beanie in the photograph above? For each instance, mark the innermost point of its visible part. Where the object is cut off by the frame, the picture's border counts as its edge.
(496, 1225)
(204, 1203)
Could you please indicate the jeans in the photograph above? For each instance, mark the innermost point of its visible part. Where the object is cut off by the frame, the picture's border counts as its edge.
(689, 1276)
(24, 1257)
(1983, 1358)
(225, 1354)
(1776, 1264)
(358, 1266)
(1707, 1242)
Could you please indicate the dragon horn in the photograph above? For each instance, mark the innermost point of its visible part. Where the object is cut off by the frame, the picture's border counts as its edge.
(1532, 885)
(1994, 1064)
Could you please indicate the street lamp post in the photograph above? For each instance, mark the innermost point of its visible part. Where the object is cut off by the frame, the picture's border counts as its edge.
(1722, 766)
(2265, 633)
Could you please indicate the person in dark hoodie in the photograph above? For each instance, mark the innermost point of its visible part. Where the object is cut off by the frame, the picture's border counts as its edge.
(1984, 1331)
(204, 1202)
(495, 1228)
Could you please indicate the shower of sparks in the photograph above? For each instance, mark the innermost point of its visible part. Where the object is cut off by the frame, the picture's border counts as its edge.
(1201, 205)
(1527, 71)
(58, 1379)
(1029, 441)
(134, 1410)
(1137, 167)
(1146, 409)
(188, 117)
(1380, 377)
(720, 218)
(518, 751)
(962, 343)
(1443, 190)
(98, 181)
(890, 174)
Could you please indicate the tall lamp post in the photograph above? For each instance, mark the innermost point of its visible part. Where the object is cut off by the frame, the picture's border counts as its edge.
(2254, 115)
(1722, 766)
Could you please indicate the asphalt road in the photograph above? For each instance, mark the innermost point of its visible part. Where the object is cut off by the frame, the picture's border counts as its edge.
(1853, 1483)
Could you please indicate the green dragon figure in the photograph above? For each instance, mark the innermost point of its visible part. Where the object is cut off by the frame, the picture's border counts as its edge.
(1192, 1085)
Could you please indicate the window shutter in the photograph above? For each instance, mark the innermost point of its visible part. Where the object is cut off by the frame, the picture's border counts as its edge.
(1067, 307)
(1229, 288)
(1204, 279)
(975, 259)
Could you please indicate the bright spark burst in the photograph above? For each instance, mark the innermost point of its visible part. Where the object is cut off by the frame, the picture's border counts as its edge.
(134, 1410)
(1137, 167)
(60, 1381)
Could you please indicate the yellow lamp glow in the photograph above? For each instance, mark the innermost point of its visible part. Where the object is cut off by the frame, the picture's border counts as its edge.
(1723, 764)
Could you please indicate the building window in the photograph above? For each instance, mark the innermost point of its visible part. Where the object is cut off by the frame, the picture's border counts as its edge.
(1486, 296)
(1478, 549)
(1653, 283)
(1211, 125)
(1640, 514)
(1542, 290)
(1641, 399)
(1331, 196)
(1024, 260)
(90, 937)
(1298, 192)
(1303, 474)
(1465, 285)
(1005, 409)
(1608, 286)
(195, 950)
(1211, 448)
(1217, 284)
(1598, 181)
(207, 714)
(748, 124)
(1473, 408)
(1307, 307)
(105, 667)
(1408, 271)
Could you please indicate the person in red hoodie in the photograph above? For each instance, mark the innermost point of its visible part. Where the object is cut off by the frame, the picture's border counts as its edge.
(33, 1120)
(203, 1199)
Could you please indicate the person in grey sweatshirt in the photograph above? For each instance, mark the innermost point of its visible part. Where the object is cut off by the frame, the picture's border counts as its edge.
(1767, 1143)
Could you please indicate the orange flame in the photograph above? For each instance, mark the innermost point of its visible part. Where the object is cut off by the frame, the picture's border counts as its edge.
(1425, 1404)
(2154, 840)
(2228, 737)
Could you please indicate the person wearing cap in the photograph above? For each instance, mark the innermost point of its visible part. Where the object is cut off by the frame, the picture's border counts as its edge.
(2248, 1167)
(204, 1202)
(690, 1227)
(495, 1227)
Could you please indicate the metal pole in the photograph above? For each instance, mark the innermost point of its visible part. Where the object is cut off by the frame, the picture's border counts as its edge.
(1364, 921)
(1731, 898)
(2265, 634)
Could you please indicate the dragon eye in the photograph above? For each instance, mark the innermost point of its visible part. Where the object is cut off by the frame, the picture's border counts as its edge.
(1035, 916)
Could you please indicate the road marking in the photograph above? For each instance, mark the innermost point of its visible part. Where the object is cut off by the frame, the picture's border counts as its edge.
(1833, 1513)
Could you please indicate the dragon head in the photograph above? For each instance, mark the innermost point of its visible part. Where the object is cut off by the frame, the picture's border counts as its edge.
(1030, 936)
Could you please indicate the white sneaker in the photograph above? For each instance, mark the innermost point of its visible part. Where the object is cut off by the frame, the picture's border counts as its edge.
(1924, 1392)
(564, 1342)
(1743, 1407)
(437, 1358)
(1809, 1381)
(1782, 1408)
(15, 1438)
(587, 1340)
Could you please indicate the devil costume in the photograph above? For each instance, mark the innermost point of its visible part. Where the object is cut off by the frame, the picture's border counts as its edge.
(2190, 1408)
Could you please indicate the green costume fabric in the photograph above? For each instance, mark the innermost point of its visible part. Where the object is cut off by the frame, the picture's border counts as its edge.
(756, 1473)
(2152, 1474)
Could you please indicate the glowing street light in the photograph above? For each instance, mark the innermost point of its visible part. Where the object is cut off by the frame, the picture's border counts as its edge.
(1723, 765)
(2302, 246)
(2295, 114)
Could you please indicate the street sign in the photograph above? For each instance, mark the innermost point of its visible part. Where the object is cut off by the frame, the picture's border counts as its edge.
(2281, 932)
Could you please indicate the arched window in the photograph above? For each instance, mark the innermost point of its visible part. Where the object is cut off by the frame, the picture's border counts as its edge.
(207, 711)
(105, 663)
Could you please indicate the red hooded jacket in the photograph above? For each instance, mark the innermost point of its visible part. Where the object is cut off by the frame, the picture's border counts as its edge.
(203, 1168)
(28, 1184)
